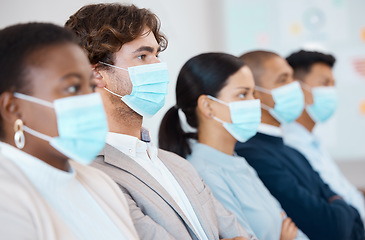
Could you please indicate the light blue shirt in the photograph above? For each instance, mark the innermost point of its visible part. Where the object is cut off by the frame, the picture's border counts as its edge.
(236, 185)
(299, 138)
(66, 195)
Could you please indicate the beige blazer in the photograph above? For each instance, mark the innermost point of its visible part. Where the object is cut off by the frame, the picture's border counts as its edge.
(24, 214)
(154, 213)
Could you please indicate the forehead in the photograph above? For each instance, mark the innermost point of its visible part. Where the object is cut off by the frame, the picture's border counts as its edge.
(58, 57)
(147, 38)
(320, 72)
(242, 77)
(321, 68)
(47, 65)
(277, 65)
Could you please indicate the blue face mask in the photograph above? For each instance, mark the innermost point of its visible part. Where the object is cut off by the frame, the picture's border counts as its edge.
(324, 103)
(289, 102)
(150, 83)
(81, 123)
(245, 116)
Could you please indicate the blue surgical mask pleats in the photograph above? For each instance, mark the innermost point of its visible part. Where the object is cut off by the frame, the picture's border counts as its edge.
(245, 116)
(289, 102)
(81, 123)
(150, 84)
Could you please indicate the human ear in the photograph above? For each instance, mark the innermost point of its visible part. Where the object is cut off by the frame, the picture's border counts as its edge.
(307, 92)
(10, 113)
(204, 107)
(99, 79)
(256, 94)
(9, 109)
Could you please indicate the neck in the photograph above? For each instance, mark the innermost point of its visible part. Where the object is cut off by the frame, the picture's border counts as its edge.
(267, 118)
(122, 119)
(128, 125)
(47, 154)
(218, 139)
(306, 121)
(61, 164)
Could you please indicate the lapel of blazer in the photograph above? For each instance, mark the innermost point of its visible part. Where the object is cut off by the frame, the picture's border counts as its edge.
(192, 196)
(118, 159)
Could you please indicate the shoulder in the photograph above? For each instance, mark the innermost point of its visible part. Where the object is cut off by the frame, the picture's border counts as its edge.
(258, 142)
(85, 169)
(20, 204)
(91, 174)
(173, 159)
(11, 186)
(11, 177)
(179, 166)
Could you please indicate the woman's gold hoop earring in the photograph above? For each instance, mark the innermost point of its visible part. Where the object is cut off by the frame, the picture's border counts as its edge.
(19, 138)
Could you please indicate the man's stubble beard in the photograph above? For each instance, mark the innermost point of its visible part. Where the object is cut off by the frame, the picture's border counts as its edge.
(123, 113)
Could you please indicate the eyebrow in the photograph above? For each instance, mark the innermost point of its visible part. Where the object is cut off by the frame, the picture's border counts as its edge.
(146, 48)
(247, 88)
(70, 75)
(282, 75)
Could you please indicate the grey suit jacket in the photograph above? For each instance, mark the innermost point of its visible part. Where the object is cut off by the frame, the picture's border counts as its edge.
(154, 213)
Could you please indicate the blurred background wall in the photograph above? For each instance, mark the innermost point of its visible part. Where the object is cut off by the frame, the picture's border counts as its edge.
(237, 26)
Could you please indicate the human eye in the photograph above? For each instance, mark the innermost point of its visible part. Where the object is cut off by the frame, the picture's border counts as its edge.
(283, 80)
(242, 95)
(326, 82)
(73, 89)
(141, 57)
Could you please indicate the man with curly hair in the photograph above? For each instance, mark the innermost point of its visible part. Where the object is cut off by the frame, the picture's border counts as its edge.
(167, 198)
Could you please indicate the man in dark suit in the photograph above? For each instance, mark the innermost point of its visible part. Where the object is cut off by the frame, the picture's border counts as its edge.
(314, 207)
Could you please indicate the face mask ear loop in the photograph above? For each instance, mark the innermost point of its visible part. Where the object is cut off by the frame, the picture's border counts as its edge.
(107, 64)
(218, 120)
(113, 93)
(264, 90)
(33, 99)
(305, 86)
(267, 108)
(37, 134)
(217, 100)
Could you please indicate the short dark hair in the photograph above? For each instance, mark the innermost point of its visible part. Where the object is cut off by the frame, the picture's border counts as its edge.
(205, 74)
(104, 28)
(17, 43)
(302, 61)
(255, 60)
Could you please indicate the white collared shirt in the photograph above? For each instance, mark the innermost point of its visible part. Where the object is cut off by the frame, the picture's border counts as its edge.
(145, 154)
(270, 130)
(299, 138)
(66, 195)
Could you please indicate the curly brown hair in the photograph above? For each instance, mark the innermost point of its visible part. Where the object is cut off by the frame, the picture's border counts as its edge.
(104, 28)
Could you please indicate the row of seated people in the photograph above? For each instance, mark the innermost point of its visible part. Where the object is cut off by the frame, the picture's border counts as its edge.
(62, 110)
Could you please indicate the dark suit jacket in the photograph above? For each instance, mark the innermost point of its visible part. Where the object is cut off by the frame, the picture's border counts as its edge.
(302, 193)
(155, 214)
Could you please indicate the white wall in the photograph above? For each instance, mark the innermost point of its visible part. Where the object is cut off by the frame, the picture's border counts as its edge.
(235, 26)
(334, 26)
(186, 23)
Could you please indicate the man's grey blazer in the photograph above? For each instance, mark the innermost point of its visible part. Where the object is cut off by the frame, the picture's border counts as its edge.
(154, 213)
